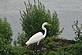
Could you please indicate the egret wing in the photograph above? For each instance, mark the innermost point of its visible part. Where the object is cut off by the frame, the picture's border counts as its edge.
(36, 37)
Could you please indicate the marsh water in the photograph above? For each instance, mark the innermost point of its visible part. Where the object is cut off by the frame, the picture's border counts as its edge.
(67, 10)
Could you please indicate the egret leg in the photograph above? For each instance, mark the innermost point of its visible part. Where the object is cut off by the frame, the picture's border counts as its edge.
(38, 42)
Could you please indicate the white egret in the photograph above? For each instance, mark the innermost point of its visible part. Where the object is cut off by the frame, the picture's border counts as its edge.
(36, 38)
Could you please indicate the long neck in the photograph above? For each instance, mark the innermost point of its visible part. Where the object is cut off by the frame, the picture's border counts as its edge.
(45, 30)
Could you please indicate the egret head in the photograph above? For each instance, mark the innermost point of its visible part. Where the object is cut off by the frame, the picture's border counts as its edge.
(46, 23)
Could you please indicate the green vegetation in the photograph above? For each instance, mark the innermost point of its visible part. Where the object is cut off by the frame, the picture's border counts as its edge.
(5, 31)
(77, 31)
(32, 18)
(5, 35)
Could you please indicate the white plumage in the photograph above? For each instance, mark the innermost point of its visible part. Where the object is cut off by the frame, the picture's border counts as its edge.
(36, 38)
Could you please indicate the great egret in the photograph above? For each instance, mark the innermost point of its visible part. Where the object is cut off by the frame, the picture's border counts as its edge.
(36, 38)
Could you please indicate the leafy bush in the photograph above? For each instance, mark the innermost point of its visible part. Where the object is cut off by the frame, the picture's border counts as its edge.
(77, 30)
(34, 16)
(5, 36)
(75, 49)
(5, 31)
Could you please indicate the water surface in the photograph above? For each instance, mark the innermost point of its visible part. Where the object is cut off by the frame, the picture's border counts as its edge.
(67, 10)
